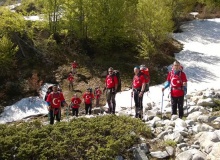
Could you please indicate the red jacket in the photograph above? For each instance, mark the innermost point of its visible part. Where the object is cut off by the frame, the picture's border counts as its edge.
(176, 82)
(138, 81)
(111, 81)
(55, 99)
(98, 93)
(76, 102)
(88, 97)
(74, 65)
(70, 78)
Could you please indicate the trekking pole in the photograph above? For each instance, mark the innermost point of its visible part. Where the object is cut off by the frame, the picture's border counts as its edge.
(162, 106)
(186, 107)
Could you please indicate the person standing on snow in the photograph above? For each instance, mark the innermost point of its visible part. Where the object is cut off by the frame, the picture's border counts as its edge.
(138, 87)
(75, 104)
(177, 79)
(111, 84)
(55, 99)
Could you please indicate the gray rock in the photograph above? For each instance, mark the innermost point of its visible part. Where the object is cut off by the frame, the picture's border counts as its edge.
(215, 153)
(190, 123)
(203, 119)
(176, 136)
(162, 134)
(139, 154)
(195, 146)
(180, 125)
(206, 102)
(193, 116)
(174, 117)
(181, 145)
(207, 140)
(170, 150)
(159, 154)
(202, 127)
(191, 154)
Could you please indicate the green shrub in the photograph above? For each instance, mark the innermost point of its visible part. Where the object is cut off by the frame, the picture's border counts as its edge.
(95, 138)
(170, 143)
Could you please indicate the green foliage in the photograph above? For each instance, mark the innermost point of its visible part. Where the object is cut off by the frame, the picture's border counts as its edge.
(154, 25)
(102, 137)
(28, 7)
(7, 52)
(171, 143)
(11, 22)
(217, 106)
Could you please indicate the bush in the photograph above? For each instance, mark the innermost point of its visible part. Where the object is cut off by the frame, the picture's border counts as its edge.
(96, 138)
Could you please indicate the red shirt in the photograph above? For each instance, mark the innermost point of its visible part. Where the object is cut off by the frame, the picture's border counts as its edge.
(176, 82)
(138, 81)
(55, 99)
(76, 102)
(74, 65)
(88, 97)
(98, 93)
(70, 78)
(111, 81)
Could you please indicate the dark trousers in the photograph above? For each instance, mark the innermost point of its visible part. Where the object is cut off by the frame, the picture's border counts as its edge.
(55, 112)
(75, 111)
(110, 96)
(177, 102)
(88, 108)
(138, 104)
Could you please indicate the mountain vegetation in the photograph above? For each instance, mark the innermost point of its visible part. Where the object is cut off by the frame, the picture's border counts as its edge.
(97, 34)
(102, 137)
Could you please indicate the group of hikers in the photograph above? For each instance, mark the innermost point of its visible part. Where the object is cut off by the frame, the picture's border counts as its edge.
(176, 80)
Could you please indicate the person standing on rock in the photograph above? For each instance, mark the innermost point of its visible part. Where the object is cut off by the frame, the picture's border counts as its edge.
(111, 85)
(74, 67)
(55, 100)
(88, 97)
(75, 104)
(70, 79)
(97, 94)
(138, 87)
(177, 81)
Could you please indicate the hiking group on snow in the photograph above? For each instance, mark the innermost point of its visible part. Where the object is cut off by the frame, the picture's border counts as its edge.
(176, 80)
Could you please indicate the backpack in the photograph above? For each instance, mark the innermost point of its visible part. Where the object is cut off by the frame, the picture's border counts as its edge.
(145, 71)
(49, 90)
(117, 74)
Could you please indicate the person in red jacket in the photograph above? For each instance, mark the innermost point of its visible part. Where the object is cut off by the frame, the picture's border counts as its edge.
(70, 80)
(75, 104)
(97, 94)
(88, 97)
(54, 100)
(177, 80)
(138, 86)
(111, 84)
(74, 67)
